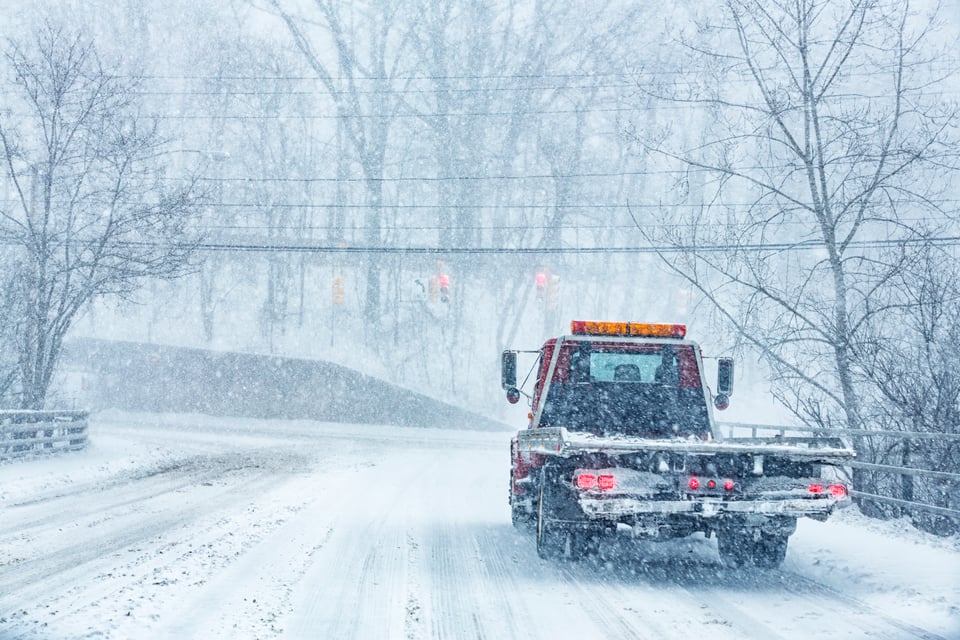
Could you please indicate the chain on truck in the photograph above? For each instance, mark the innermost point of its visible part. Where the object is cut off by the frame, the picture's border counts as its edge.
(622, 438)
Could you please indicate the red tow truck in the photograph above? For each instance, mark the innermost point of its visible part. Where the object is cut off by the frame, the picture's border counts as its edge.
(622, 437)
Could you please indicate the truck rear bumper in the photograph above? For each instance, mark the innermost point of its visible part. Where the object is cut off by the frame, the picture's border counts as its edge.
(615, 508)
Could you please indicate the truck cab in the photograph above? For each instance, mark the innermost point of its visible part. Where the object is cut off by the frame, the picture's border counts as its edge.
(633, 377)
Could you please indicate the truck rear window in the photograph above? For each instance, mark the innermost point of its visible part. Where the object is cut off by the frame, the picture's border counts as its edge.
(674, 365)
(624, 367)
(650, 390)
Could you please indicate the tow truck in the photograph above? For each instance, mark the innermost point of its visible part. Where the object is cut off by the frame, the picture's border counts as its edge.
(622, 440)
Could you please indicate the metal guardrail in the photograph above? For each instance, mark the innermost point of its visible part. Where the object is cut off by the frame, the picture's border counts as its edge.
(782, 429)
(754, 430)
(32, 433)
(942, 511)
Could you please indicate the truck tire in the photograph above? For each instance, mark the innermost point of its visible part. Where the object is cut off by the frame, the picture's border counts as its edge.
(555, 539)
(521, 518)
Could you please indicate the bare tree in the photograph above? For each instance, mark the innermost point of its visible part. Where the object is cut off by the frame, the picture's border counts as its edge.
(369, 42)
(8, 309)
(91, 215)
(823, 141)
(914, 376)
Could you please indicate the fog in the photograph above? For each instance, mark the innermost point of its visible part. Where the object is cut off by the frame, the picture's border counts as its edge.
(407, 189)
(260, 261)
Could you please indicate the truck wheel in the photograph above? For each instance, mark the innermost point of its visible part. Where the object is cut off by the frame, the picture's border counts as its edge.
(770, 550)
(553, 540)
(520, 517)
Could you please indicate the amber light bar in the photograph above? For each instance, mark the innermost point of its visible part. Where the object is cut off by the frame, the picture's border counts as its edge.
(645, 329)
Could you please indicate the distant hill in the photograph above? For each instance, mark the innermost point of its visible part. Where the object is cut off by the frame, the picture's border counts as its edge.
(149, 377)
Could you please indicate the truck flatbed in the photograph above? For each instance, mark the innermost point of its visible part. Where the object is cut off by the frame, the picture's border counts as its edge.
(558, 441)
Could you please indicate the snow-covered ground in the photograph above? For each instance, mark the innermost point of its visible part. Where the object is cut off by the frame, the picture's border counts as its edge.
(189, 526)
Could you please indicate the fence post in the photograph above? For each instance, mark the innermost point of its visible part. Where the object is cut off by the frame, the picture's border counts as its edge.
(906, 482)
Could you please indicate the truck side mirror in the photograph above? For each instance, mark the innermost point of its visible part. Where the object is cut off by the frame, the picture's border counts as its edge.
(508, 370)
(724, 383)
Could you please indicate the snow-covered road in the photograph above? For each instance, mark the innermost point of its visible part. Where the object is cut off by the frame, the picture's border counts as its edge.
(178, 526)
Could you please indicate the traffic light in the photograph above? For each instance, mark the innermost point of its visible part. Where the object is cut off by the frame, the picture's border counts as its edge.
(338, 294)
(541, 281)
(444, 280)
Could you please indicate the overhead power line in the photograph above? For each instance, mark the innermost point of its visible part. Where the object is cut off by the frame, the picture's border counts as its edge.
(344, 249)
(389, 91)
(525, 88)
(811, 245)
(585, 207)
(409, 115)
(625, 74)
(475, 177)
(664, 106)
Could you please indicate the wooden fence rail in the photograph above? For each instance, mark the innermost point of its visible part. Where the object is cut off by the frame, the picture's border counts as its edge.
(32, 433)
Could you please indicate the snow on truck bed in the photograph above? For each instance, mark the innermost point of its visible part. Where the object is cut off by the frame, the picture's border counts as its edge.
(190, 526)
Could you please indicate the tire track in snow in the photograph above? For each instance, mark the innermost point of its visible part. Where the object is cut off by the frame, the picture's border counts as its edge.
(356, 587)
(775, 593)
(680, 589)
(485, 579)
(413, 621)
(775, 604)
(596, 601)
(497, 576)
(248, 594)
(723, 608)
(827, 598)
(707, 586)
(472, 590)
(26, 581)
(787, 601)
(447, 618)
(375, 592)
(117, 494)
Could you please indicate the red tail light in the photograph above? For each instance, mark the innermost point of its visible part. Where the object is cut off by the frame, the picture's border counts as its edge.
(728, 485)
(586, 481)
(838, 491)
(816, 488)
(694, 484)
(590, 481)
(711, 484)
